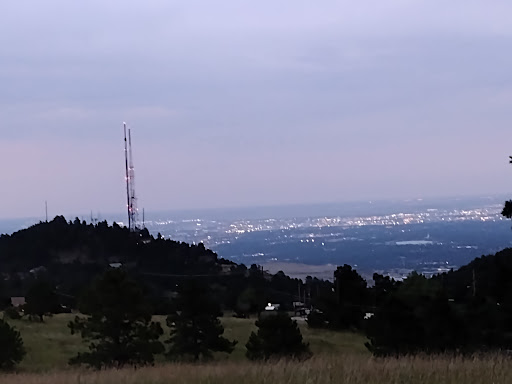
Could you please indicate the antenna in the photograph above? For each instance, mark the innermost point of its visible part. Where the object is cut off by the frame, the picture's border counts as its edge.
(127, 177)
(46, 209)
(94, 220)
(133, 198)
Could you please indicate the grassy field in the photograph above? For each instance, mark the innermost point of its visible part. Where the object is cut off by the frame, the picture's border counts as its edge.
(339, 358)
(49, 345)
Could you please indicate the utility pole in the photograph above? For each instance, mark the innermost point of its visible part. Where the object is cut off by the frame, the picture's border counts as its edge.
(46, 209)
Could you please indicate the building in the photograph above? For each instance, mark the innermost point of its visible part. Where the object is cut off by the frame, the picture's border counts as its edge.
(272, 307)
(18, 301)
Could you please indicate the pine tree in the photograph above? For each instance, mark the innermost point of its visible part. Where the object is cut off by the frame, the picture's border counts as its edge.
(196, 330)
(11, 346)
(41, 300)
(278, 336)
(119, 324)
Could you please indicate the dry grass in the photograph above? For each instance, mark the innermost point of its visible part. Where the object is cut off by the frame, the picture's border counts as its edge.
(339, 358)
(49, 344)
(351, 369)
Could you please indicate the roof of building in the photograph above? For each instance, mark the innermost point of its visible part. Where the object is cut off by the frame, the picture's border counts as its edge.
(17, 301)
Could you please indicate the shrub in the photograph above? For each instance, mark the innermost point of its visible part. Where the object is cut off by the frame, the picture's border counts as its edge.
(11, 346)
(12, 313)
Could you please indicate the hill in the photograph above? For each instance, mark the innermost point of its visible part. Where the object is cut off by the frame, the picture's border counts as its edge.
(70, 254)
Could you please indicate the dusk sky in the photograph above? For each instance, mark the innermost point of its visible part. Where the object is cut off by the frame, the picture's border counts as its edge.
(247, 103)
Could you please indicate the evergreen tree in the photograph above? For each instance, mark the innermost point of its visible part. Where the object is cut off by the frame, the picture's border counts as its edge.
(416, 317)
(11, 346)
(41, 300)
(250, 302)
(118, 325)
(196, 330)
(4, 302)
(507, 209)
(278, 336)
(345, 307)
(352, 297)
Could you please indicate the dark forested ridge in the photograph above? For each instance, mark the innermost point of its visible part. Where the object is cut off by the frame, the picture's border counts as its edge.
(71, 254)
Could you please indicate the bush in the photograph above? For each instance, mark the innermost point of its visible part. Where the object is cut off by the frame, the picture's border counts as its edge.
(12, 313)
(316, 319)
(11, 346)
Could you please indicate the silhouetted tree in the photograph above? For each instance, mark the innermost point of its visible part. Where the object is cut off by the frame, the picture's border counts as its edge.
(278, 336)
(345, 307)
(250, 302)
(41, 300)
(352, 297)
(383, 286)
(196, 330)
(417, 317)
(11, 346)
(507, 209)
(118, 325)
(4, 300)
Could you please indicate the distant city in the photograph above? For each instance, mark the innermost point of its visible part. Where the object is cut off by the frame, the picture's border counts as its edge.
(215, 232)
(393, 238)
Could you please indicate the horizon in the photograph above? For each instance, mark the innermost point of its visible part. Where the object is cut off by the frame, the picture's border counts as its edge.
(353, 208)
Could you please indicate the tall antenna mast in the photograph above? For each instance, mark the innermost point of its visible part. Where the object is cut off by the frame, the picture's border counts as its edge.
(133, 198)
(127, 177)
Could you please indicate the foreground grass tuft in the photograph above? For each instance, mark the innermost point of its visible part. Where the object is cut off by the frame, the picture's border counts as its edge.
(351, 369)
(339, 358)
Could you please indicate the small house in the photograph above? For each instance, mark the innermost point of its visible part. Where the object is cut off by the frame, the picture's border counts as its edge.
(17, 301)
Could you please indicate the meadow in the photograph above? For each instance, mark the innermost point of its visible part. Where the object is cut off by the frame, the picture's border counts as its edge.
(50, 344)
(339, 358)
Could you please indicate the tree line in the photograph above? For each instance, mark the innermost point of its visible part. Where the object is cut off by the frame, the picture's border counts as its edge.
(461, 311)
(116, 320)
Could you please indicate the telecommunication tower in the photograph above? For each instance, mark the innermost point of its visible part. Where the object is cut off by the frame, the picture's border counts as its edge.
(131, 197)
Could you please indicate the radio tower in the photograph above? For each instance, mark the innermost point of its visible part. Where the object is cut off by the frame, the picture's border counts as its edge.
(130, 182)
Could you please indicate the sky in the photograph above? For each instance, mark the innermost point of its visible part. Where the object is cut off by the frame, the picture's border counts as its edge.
(247, 103)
